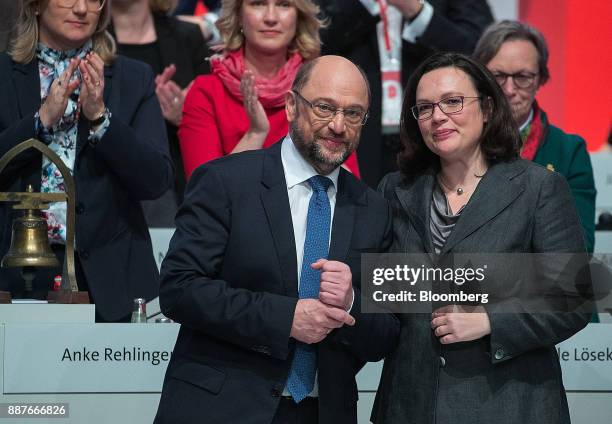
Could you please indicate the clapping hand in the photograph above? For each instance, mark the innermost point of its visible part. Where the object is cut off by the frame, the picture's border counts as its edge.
(171, 97)
(258, 121)
(259, 126)
(91, 96)
(56, 101)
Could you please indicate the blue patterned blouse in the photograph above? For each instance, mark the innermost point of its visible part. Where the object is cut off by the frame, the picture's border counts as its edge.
(62, 137)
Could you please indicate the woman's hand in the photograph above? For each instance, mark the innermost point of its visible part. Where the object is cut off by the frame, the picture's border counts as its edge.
(92, 87)
(171, 97)
(52, 110)
(459, 323)
(258, 120)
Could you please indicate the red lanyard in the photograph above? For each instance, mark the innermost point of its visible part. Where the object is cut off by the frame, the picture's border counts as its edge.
(382, 4)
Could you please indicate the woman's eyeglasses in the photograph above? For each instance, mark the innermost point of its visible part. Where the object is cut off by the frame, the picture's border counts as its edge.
(92, 5)
(449, 106)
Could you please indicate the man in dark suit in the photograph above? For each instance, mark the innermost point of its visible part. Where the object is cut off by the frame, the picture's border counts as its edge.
(356, 32)
(265, 282)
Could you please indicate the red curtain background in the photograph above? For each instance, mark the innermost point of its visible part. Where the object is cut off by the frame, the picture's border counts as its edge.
(578, 96)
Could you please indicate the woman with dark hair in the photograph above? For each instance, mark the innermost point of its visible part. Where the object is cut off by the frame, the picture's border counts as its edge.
(517, 55)
(463, 189)
(63, 84)
(177, 53)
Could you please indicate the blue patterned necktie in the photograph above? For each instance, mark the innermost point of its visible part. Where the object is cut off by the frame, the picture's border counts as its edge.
(316, 245)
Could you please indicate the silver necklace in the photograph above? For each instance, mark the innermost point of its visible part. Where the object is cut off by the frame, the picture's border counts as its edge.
(459, 190)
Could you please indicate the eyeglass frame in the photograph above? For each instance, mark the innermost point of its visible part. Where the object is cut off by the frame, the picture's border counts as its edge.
(530, 75)
(333, 109)
(434, 104)
(102, 3)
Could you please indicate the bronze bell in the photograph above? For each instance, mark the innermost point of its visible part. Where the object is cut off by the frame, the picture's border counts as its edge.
(30, 243)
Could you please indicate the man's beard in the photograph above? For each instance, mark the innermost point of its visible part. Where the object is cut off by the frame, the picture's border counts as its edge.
(313, 152)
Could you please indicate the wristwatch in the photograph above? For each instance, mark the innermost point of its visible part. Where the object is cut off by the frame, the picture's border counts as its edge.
(97, 121)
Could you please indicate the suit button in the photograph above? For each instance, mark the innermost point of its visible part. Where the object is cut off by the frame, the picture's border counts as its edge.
(499, 354)
(80, 208)
(84, 254)
(442, 361)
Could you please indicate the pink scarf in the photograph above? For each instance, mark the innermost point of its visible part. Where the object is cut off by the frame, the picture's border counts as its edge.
(230, 67)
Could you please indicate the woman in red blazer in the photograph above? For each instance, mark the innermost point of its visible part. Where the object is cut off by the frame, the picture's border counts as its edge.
(241, 105)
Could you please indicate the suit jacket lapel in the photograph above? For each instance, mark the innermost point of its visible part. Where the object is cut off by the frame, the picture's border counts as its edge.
(415, 199)
(275, 202)
(498, 189)
(26, 80)
(348, 196)
(27, 86)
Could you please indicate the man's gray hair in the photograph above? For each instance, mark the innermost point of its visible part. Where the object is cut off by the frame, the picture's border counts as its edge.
(498, 33)
(303, 75)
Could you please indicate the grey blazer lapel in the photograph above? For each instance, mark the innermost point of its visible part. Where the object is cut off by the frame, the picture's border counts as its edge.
(415, 200)
(497, 190)
(275, 202)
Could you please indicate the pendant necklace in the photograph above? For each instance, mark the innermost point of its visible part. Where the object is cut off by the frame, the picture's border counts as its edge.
(459, 190)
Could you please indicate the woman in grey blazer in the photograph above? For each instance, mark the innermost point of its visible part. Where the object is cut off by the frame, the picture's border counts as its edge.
(463, 189)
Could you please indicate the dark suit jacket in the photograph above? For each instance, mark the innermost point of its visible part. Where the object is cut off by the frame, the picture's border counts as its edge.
(513, 375)
(455, 26)
(182, 44)
(230, 279)
(130, 163)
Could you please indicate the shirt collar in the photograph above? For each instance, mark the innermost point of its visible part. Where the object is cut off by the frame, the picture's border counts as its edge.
(527, 122)
(51, 56)
(297, 170)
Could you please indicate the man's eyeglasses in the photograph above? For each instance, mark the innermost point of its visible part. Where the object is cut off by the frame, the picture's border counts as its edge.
(520, 79)
(449, 106)
(328, 112)
(92, 5)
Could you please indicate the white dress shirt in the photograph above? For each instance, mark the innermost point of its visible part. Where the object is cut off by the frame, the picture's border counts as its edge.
(297, 173)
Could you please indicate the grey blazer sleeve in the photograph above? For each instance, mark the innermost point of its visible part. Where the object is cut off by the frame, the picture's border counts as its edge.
(556, 229)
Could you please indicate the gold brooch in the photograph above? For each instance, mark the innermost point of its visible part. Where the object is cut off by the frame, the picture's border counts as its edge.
(550, 167)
